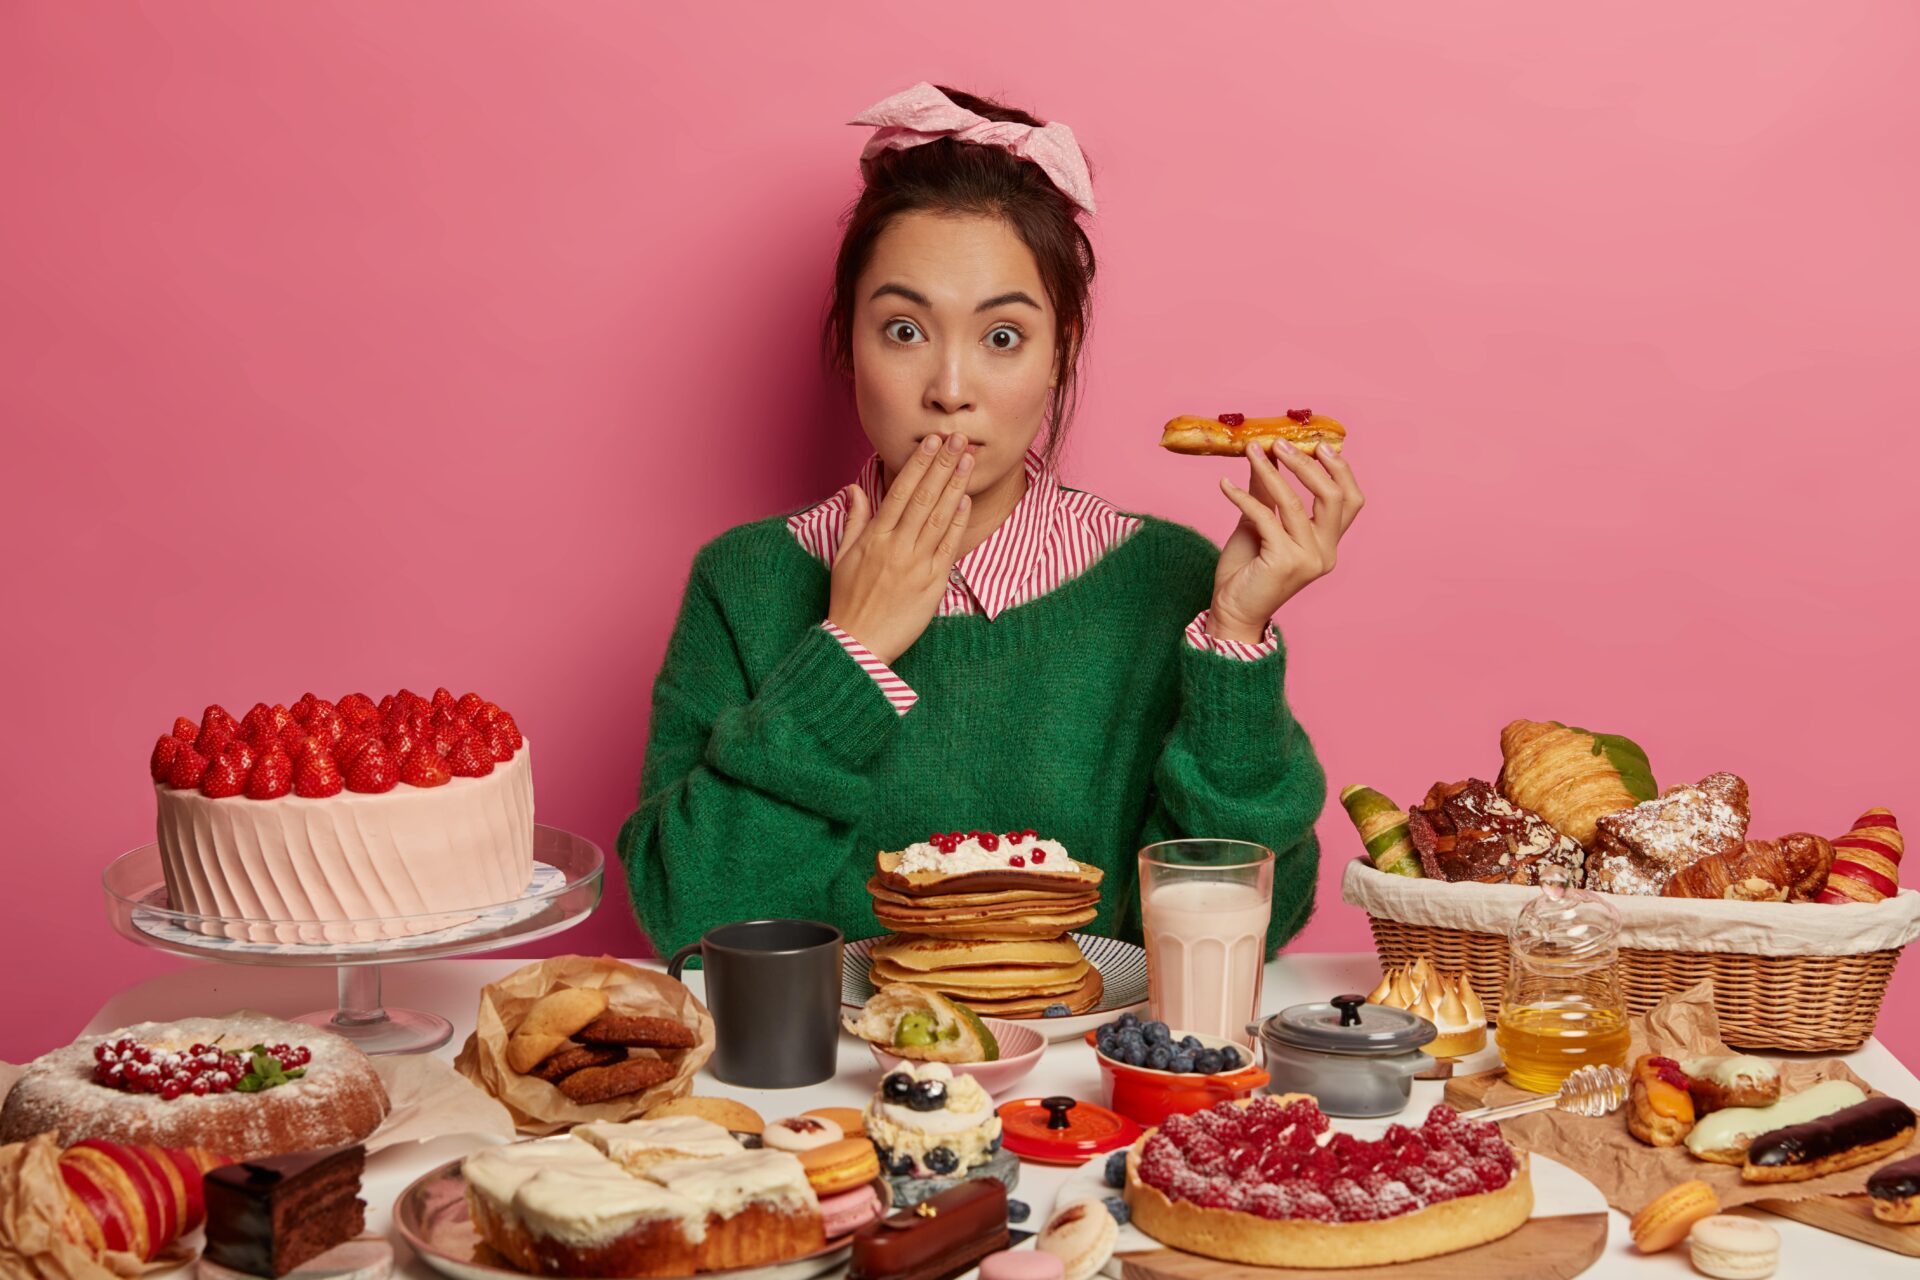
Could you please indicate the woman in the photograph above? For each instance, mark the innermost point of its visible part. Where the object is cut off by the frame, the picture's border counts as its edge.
(957, 640)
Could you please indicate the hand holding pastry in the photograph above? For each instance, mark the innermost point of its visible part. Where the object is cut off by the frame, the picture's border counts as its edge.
(891, 569)
(1228, 435)
(1279, 547)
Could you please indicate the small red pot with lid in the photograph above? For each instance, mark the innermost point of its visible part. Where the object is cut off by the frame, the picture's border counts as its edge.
(1148, 1097)
(1063, 1130)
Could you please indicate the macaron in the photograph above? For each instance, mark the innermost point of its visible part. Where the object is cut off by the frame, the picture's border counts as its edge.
(849, 1211)
(852, 1120)
(1734, 1248)
(839, 1166)
(1082, 1235)
(1022, 1264)
(801, 1133)
(1664, 1222)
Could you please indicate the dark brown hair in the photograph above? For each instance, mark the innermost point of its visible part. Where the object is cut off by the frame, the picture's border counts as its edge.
(967, 178)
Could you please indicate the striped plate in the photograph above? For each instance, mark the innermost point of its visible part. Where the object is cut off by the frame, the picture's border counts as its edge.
(1123, 972)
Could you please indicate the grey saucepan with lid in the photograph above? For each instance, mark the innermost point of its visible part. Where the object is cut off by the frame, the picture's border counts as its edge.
(1357, 1059)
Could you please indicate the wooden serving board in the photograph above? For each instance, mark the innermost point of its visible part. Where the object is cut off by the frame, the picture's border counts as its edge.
(1542, 1249)
(1850, 1216)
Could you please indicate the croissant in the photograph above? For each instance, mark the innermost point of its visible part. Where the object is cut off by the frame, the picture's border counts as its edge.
(1809, 860)
(134, 1199)
(1867, 860)
(1714, 877)
(1790, 869)
(1383, 829)
(98, 1209)
(1571, 777)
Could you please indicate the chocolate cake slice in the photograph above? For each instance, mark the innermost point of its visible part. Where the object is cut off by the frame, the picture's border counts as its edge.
(268, 1216)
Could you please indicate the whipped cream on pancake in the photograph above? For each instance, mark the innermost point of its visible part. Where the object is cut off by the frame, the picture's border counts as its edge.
(985, 851)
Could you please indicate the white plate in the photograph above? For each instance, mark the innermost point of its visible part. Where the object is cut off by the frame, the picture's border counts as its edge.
(431, 1216)
(368, 1258)
(1123, 974)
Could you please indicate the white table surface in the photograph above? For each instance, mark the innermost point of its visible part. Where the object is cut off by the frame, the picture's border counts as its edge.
(450, 988)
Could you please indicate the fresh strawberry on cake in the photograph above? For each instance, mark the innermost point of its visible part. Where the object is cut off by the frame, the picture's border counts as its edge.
(1263, 1181)
(342, 811)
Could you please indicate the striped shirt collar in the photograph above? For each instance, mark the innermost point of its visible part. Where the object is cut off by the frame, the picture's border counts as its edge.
(998, 573)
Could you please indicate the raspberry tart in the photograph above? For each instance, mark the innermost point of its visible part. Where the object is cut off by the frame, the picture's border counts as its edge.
(244, 1087)
(1261, 1181)
(349, 811)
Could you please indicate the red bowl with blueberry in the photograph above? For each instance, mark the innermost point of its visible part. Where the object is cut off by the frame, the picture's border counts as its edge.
(1189, 1073)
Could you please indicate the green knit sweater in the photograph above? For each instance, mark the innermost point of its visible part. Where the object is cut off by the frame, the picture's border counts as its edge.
(776, 768)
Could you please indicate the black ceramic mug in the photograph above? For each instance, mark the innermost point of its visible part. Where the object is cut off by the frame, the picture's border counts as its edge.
(773, 987)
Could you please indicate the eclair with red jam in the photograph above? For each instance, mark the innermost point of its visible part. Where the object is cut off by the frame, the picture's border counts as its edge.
(1659, 1108)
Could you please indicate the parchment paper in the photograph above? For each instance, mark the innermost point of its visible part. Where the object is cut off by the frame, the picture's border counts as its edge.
(429, 1100)
(1630, 1173)
(538, 1107)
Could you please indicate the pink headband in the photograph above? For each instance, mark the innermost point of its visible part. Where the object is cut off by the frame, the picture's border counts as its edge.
(924, 114)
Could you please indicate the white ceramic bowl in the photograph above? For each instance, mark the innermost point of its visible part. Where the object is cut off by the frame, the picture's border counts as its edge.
(1020, 1048)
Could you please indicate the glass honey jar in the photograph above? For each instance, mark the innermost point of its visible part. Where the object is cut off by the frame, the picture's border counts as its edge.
(1562, 1008)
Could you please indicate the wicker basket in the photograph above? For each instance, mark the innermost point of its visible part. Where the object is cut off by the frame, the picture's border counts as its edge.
(1799, 1003)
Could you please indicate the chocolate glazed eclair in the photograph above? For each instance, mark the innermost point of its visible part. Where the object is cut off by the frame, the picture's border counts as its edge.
(1895, 1190)
(1846, 1139)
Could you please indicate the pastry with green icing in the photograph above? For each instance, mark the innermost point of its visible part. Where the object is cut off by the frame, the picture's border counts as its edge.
(1383, 830)
(1572, 777)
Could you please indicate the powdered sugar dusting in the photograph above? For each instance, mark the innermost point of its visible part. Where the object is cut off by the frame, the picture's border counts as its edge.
(1638, 850)
(338, 1101)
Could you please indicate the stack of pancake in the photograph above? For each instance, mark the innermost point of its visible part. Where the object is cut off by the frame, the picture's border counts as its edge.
(995, 940)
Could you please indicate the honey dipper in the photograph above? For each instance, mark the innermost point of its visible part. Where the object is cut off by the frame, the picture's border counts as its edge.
(1591, 1091)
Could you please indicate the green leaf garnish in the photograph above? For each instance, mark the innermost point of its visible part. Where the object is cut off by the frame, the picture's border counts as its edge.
(266, 1072)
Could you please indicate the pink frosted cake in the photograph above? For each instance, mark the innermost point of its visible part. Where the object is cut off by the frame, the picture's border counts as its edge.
(321, 813)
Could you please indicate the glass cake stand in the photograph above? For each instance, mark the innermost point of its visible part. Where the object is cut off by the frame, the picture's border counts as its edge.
(565, 889)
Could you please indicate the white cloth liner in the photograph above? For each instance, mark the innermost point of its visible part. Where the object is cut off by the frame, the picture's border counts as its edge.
(1647, 923)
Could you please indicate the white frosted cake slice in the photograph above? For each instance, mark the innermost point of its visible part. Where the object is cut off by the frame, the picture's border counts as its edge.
(638, 1145)
(560, 1207)
(759, 1206)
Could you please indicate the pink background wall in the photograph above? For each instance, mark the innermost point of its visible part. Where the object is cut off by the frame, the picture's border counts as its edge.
(356, 345)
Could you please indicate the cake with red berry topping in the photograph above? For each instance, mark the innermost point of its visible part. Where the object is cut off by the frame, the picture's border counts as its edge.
(1262, 1181)
(244, 1086)
(399, 811)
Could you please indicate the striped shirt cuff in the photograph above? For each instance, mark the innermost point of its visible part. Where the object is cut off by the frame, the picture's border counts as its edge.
(1199, 638)
(899, 696)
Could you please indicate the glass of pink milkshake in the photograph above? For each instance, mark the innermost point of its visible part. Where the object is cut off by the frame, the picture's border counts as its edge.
(1205, 906)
